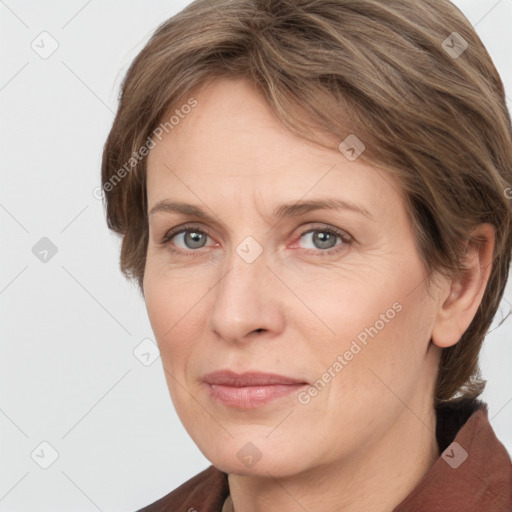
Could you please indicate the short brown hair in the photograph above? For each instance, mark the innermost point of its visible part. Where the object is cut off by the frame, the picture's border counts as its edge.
(435, 119)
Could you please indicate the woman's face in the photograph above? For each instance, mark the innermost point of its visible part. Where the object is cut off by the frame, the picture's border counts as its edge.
(334, 299)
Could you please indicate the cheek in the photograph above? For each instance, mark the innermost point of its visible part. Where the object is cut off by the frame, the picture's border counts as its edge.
(172, 302)
(173, 309)
(374, 322)
(339, 306)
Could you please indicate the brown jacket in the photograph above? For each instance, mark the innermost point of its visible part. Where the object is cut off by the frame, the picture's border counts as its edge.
(473, 474)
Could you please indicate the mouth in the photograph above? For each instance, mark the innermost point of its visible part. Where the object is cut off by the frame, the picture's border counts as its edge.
(249, 390)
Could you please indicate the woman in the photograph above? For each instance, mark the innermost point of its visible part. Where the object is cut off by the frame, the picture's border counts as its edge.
(313, 197)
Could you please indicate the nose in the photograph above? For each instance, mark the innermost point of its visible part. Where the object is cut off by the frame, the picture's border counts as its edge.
(247, 300)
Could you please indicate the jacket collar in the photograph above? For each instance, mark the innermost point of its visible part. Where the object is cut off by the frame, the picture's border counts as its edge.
(474, 471)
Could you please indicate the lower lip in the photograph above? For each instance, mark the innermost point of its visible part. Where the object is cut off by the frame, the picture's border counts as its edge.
(251, 397)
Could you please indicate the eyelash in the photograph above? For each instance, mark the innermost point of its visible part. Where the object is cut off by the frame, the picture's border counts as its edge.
(345, 238)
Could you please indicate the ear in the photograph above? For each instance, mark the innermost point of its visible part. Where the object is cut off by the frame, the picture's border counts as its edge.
(460, 298)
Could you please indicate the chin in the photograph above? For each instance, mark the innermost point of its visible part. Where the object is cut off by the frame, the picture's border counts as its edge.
(255, 458)
(262, 468)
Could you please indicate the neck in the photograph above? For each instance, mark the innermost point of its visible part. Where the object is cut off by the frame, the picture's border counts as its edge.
(376, 478)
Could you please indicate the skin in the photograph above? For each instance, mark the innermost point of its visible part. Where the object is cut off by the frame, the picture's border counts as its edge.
(366, 439)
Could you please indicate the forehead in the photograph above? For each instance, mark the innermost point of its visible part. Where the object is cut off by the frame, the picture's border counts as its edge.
(232, 121)
(231, 143)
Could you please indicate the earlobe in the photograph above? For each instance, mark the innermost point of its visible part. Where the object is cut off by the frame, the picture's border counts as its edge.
(460, 298)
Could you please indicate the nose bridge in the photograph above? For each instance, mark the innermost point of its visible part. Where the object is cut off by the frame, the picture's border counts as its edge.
(246, 269)
(246, 257)
(244, 301)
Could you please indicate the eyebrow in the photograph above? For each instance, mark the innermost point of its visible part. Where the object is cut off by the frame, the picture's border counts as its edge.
(285, 210)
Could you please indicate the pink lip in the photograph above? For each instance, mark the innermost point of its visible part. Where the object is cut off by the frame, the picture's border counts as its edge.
(251, 389)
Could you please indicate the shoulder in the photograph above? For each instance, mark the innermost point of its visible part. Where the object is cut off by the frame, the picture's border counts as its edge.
(204, 492)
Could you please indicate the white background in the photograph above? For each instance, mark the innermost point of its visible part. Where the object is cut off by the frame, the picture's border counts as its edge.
(69, 326)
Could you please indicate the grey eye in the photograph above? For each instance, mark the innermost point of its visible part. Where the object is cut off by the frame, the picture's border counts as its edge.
(321, 239)
(193, 239)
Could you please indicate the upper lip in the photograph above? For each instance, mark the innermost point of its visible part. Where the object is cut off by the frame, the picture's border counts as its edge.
(230, 378)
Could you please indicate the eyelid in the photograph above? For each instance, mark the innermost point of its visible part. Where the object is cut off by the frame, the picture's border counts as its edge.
(171, 233)
(326, 227)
